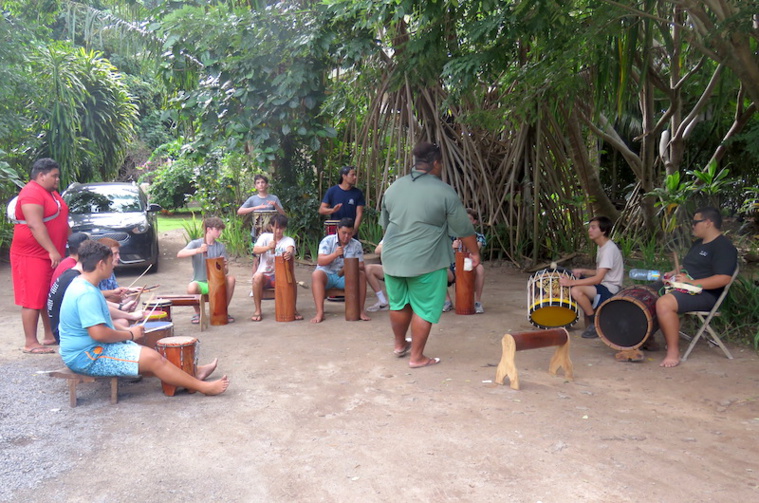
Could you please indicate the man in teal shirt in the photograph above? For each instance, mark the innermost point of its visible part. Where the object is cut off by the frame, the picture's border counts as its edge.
(419, 212)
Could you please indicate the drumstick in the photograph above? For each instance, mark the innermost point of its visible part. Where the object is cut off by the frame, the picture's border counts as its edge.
(145, 318)
(677, 263)
(141, 275)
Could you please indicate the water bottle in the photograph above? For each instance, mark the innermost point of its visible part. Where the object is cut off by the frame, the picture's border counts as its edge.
(644, 275)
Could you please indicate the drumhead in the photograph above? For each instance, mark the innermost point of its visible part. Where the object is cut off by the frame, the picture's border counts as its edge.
(178, 340)
(553, 313)
(157, 303)
(624, 323)
(153, 326)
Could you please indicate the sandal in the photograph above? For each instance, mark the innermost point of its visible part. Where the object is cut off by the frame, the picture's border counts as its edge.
(195, 319)
(230, 319)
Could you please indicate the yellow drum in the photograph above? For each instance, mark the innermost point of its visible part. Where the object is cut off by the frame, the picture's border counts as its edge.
(550, 305)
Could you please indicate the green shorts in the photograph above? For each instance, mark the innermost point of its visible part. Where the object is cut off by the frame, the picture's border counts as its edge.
(425, 293)
(203, 287)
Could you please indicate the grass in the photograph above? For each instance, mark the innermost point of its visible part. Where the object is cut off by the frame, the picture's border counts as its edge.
(170, 223)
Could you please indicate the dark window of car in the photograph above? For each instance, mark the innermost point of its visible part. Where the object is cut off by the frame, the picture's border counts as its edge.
(107, 199)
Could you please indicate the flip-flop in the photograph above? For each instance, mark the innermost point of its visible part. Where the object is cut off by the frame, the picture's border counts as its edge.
(403, 352)
(298, 316)
(195, 319)
(431, 361)
(39, 350)
(256, 317)
(230, 319)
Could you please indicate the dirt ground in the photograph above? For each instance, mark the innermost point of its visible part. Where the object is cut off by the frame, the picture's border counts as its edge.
(326, 413)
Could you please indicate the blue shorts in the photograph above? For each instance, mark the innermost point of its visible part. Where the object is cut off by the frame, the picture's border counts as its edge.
(602, 294)
(335, 281)
(109, 359)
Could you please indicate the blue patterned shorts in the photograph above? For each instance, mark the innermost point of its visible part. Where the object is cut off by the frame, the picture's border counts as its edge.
(109, 359)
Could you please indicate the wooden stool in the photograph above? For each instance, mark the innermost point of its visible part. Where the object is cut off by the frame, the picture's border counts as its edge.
(519, 341)
(74, 379)
(190, 300)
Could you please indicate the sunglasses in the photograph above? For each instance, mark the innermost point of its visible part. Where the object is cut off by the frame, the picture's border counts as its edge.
(696, 222)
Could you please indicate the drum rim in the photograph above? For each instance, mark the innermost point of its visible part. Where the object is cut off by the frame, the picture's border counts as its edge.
(186, 341)
(649, 318)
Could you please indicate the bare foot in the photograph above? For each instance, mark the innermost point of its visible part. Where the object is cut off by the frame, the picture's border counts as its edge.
(49, 342)
(364, 317)
(670, 361)
(256, 317)
(298, 316)
(217, 387)
(318, 318)
(203, 371)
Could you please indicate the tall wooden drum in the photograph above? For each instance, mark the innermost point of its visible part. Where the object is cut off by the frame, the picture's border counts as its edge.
(352, 289)
(217, 290)
(464, 286)
(284, 289)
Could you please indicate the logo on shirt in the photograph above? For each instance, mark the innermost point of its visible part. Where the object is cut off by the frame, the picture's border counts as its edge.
(703, 253)
(351, 201)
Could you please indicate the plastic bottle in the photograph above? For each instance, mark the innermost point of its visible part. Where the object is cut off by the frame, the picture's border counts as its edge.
(644, 274)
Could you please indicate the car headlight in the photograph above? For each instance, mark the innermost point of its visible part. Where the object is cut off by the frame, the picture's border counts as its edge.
(140, 228)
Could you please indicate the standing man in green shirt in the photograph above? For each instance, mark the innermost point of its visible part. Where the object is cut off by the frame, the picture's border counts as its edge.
(419, 212)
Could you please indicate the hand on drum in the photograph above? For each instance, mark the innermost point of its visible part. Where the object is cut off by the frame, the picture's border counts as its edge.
(138, 331)
(566, 280)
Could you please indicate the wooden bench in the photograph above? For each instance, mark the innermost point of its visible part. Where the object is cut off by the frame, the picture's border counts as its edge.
(74, 379)
(189, 300)
(519, 341)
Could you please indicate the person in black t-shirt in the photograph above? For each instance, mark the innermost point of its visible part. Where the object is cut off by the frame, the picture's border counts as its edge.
(710, 263)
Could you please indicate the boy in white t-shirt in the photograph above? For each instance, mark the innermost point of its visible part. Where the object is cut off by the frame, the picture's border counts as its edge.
(268, 245)
(597, 285)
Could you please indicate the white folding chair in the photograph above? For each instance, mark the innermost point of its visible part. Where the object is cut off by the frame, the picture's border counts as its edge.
(705, 317)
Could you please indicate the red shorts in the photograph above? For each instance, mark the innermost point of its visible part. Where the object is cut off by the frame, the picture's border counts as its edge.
(31, 280)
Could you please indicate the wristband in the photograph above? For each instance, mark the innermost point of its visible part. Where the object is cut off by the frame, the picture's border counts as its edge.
(131, 334)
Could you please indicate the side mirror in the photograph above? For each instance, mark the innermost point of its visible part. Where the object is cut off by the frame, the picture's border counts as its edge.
(154, 207)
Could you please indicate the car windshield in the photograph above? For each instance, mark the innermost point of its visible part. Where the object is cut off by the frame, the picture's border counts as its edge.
(104, 200)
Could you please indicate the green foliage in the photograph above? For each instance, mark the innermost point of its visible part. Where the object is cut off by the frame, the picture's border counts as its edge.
(740, 311)
(261, 81)
(84, 115)
(171, 184)
(236, 237)
(301, 203)
(193, 228)
(709, 184)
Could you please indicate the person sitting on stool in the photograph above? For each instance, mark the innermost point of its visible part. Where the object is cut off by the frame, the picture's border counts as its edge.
(90, 345)
(329, 270)
(594, 286)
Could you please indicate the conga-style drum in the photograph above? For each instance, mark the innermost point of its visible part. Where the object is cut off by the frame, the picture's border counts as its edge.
(627, 319)
(162, 309)
(262, 221)
(550, 305)
(155, 331)
(180, 351)
(330, 227)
